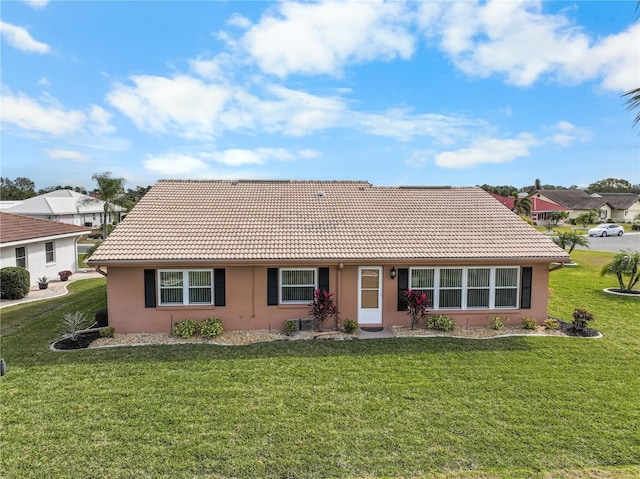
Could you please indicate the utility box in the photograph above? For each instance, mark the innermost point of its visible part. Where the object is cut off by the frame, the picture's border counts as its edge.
(306, 324)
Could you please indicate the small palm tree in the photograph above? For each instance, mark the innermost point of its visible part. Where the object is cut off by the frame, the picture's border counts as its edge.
(111, 192)
(570, 239)
(625, 263)
(633, 103)
(521, 206)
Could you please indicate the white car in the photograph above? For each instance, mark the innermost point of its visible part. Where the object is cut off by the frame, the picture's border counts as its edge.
(607, 229)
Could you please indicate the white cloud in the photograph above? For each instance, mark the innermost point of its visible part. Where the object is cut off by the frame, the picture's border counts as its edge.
(178, 165)
(565, 134)
(237, 20)
(20, 38)
(241, 157)
(67, 155)
(183, 104)
(37, 3)
(321, 38)
(27, 113)
(523, 44)
(44, 81)
(487, 150)
(100, 120)
(308, 153)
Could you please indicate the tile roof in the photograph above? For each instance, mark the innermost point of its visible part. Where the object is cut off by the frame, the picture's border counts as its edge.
(619, 201)
(537, 204)
(316, 220)
(22, 228)
(59, 202)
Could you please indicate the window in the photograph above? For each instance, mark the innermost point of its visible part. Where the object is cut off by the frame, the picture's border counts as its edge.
(478, 287)
(48, 250)
(450, 288)
(467, 287)
(506, 288)
(21, 257)
(186, 287)
(297, 285)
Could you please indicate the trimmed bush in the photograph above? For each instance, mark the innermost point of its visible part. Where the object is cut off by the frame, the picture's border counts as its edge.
(107, 332)
(497, 323)
(186, 328)
(529, 323)
(102, 318)
(551, 323)
(440, 322)
(581, 318)
(211, 328)
(14, 282)
(350, 326)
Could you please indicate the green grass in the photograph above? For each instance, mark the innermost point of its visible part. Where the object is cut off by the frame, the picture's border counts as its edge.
(529, 407)
(81, 260)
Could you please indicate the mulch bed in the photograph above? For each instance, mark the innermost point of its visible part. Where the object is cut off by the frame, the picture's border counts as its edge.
(83, 341)
(569, 330)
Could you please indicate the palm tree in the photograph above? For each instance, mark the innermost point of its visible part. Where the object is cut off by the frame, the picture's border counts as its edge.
(625, 263)
(521, 206)
(633, 103)
(570, 239)
(110, 191)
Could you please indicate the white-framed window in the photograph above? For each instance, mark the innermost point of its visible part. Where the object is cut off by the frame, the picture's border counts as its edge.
(49, 252)
(297, 285)
(21, 257)
(185, 287)
(478, 287)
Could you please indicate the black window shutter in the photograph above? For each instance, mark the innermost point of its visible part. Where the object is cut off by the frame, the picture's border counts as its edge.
(149, 288)
(403, 286)
(219, 287)
(272, 286)
(323, 279)
(525, 294)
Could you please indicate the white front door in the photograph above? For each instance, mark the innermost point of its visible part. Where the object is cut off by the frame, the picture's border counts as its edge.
(370, 295)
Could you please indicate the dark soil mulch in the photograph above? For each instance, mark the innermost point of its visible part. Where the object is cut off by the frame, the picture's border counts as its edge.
(83, 341)
(569, 330)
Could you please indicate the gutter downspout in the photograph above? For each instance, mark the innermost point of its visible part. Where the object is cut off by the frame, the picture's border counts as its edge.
(560, 266)
(98, 270)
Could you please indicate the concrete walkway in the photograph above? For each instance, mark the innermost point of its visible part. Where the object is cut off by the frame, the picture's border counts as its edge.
(56, 288)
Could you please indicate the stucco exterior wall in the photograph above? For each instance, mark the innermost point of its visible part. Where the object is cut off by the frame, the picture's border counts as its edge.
(65, 257)
(246, 300)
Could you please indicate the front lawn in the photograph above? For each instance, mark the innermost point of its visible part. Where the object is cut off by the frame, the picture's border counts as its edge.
(548, 407)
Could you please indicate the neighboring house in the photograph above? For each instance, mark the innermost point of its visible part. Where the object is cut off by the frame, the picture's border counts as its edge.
(41, 246)
(539, 207)
(66, 206)
(253, 252)
(610, 206)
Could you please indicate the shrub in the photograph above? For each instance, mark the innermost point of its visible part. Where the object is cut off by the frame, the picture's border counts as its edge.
(350, 326)
(65, 272)
(323, 308)
(107, 332)
(529, 323)
(43, 280)
(186, 328)
(581, 318)
(102, 317)
(551, 323)
(211, 328)
(497, 323)
(14, 282)
(417, 302)
(73, 323)
(290, 327)
(440, 322)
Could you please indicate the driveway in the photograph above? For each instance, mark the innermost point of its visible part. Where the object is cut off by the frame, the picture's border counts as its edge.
(614, 243)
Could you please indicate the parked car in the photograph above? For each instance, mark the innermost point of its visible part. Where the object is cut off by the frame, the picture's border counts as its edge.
(607, 229)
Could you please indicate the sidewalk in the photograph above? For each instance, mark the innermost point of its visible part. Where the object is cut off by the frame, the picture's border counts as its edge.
(56, 288)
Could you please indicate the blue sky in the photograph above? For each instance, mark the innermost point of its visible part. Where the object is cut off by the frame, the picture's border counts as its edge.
(398, 93)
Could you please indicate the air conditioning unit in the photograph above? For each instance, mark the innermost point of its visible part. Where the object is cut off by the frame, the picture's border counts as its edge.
(306, 324)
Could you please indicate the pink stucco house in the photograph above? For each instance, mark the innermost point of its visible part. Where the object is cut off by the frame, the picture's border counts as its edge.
(252, 253)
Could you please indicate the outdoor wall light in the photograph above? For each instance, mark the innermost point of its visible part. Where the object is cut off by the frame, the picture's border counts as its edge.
(393, 272)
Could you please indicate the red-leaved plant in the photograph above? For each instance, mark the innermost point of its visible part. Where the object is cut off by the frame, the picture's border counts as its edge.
(323, 308)
(417, 303)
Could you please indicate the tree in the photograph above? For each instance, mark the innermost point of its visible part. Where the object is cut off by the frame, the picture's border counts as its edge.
(110, 191)
(633, 103)
(570, 239)
(625, 263)
(588, 217)
(499, 190)
(20, 189)
(609, 185)
(521, 205)
(554, 217)
(537, 184)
